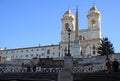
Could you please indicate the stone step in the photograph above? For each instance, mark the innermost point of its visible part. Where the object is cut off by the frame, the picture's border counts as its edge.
(29, 76)
(97, 76)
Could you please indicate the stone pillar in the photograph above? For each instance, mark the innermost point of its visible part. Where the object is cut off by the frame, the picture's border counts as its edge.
(66, 75)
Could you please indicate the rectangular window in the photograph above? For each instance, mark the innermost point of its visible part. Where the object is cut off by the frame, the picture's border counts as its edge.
(26, 55)
(31, 55)
(93, 52)
(36, 55)
(26, 50)
(48, 51)
(37, 49)
(21, 50)
(32, 50)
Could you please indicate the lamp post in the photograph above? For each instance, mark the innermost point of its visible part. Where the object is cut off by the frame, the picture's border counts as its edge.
(65, 51)
(90, 51)
(69, 42)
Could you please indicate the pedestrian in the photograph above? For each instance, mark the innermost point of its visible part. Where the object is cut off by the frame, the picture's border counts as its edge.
(28, 68)
(115, 65)
(108, 66)
(34, 68)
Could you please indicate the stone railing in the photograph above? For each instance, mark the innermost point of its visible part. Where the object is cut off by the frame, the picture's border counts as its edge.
(89, 68)
(79, 69)
(5, 69)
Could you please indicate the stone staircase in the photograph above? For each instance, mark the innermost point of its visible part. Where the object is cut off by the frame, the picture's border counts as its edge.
(28, 76)
(97, 76)
(36, 76)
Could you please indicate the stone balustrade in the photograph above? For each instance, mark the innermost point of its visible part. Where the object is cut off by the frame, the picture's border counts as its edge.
(89, 68)
(79, 69)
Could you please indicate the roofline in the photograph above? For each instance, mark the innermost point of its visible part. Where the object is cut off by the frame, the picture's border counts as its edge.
(30, 47)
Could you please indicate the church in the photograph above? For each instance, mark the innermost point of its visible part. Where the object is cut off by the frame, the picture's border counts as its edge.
(82, 43)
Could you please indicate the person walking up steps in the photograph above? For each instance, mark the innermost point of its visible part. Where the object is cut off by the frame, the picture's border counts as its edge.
(108, 66)
(115, 65)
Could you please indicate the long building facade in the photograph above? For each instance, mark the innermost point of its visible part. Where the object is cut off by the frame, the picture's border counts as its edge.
(83, 42)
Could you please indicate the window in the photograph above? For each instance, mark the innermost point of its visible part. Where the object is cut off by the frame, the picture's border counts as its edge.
(26, 50)
(26, 55)
(66, 26)
(42, 54)
(93, 23)
(36, 55)
(17, 51)
(59, 54)
(53, 47)
(81, 53)
(48, 51)
(21, 50)
(53, 53)
(31, 55)
(37, 49)
(12, 52)
(94, 49)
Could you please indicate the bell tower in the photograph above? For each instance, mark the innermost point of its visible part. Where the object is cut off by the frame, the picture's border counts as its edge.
(68, 21)
(94, 18)
(94, 22)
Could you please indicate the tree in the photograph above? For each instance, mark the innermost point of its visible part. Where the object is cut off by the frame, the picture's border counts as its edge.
(106, 47)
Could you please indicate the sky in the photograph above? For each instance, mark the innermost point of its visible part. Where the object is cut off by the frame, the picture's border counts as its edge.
(28, 23)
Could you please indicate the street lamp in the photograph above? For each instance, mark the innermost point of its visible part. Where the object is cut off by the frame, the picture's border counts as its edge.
(90, 51)
(65, 50)
(69, 42)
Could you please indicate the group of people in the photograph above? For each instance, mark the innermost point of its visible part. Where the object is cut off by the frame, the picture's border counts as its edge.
(31, 68)
(112, 65)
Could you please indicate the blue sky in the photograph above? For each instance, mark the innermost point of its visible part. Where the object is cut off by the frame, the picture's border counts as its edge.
(27, 23)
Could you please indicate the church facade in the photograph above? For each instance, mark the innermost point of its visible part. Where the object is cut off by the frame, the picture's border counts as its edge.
(83, 42)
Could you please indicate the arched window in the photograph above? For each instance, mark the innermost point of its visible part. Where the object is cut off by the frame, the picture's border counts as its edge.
(93, 23)
(66, 26)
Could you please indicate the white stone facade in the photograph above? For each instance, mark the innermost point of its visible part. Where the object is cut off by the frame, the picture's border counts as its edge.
(89, 39)
(31, 52)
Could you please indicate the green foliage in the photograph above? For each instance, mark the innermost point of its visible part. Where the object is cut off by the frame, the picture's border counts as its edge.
(105, 47)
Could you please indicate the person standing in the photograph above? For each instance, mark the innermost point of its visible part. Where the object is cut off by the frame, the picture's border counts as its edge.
(115, 65)
(34, 68)
(108, 66)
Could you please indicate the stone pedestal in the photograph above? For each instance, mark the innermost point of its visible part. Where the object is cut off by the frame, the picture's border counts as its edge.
(66, 75)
